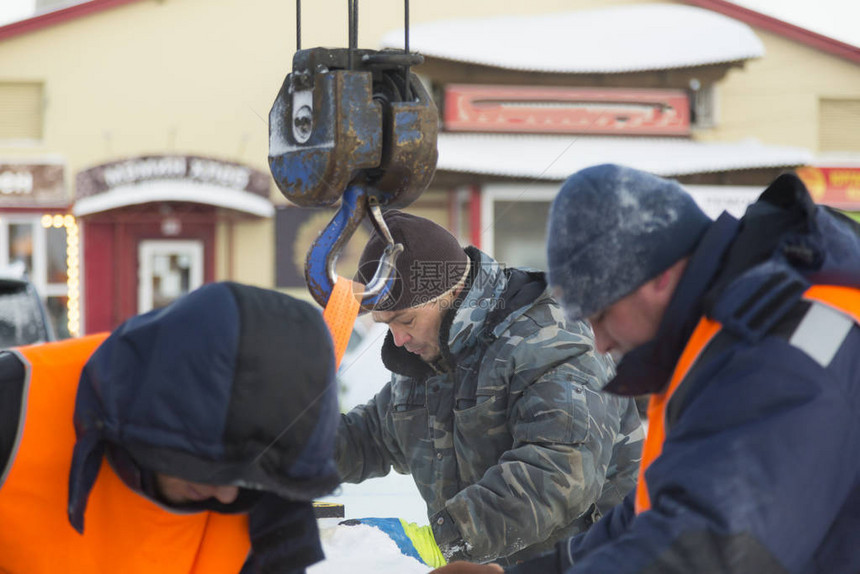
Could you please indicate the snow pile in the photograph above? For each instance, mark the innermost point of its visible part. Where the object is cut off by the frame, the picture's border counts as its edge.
(361, 549)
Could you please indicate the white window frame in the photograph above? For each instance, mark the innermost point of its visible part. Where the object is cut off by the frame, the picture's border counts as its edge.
(493, 192)
(39, 273)
(149, 247)
(705, 100)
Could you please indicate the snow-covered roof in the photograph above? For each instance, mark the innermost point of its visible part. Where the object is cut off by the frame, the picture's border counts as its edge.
(611, 40)
(554, 157)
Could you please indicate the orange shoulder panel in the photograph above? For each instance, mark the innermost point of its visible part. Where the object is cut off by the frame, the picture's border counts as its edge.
(124, 531)
(845, 299)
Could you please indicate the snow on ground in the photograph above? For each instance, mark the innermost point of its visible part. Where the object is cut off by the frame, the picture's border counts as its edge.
(393, 495)
(365, 549)
(361, 550)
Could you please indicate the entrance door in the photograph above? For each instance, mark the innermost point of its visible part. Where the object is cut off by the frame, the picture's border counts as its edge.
(167, 270)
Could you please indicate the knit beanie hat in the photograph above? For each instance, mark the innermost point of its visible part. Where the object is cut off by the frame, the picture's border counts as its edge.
(612, 229)
(431, 265)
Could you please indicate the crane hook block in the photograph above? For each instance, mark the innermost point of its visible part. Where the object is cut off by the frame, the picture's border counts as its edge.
(352, 117)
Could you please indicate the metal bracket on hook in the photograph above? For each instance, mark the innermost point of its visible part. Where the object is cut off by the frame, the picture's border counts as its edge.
(320, 272)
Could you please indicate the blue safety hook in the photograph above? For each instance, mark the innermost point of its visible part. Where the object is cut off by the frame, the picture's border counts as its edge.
(320, 265)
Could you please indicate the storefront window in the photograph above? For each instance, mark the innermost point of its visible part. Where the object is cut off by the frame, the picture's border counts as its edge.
(20, 252)
(58, 268)
(168, 270)
(519, 213)
(171, 278)
(524, 241)
(44, 249)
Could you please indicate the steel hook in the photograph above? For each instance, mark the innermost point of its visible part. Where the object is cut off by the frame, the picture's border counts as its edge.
(322, 257)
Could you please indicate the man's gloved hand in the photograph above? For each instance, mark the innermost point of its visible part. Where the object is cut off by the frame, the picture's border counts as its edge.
(412, 540)
(468, 568)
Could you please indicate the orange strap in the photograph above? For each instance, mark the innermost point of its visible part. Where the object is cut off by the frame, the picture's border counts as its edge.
(340, 313)
(705, 331)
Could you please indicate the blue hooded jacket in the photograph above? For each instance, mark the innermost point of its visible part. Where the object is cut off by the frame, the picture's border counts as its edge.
(759, 469)
(229, 385)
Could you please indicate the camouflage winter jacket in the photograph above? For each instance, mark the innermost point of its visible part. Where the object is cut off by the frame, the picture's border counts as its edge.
(508, 438)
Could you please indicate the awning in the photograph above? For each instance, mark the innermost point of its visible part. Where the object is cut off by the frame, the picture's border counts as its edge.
(611, 40)
(174, 190)
(554, 157)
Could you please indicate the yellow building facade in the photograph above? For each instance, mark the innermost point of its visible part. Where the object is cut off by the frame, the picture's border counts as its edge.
(134, 139)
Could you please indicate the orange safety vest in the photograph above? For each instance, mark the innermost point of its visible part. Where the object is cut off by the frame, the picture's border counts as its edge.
(124, 532)
(845, 299)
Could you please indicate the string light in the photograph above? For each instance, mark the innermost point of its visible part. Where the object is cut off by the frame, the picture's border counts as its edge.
(73, 267)
(73, 309)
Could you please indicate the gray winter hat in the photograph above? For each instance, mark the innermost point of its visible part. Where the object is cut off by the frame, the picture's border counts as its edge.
(612, 229)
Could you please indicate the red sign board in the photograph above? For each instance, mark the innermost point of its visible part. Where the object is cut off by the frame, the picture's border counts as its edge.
(33, 185)
(521, 109)
(834, 186)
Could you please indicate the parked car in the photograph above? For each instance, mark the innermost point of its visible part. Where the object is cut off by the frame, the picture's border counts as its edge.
(23, 318)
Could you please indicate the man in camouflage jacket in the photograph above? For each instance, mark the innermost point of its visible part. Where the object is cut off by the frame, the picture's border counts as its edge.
(494, 405)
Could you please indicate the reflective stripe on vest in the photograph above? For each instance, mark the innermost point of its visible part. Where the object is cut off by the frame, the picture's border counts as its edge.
(825, 326)
(123, 531)
(820, 334)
